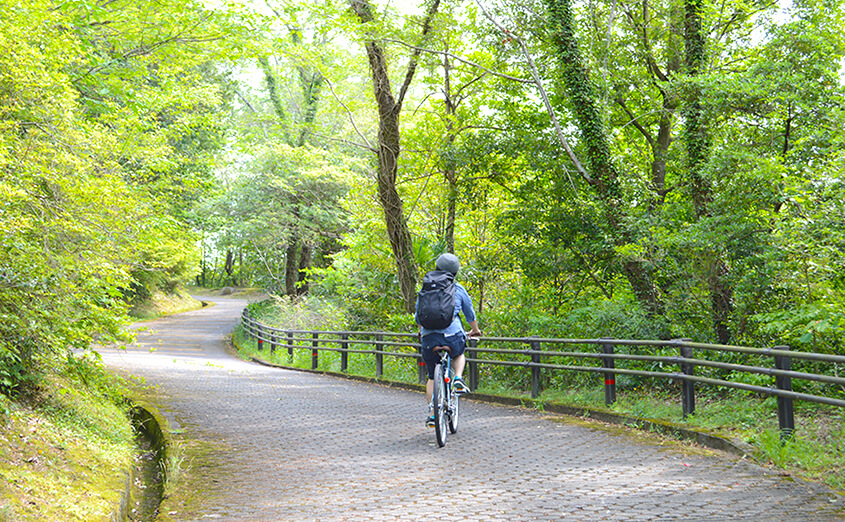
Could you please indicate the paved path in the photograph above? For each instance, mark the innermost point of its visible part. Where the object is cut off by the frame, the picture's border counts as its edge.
(301, 446)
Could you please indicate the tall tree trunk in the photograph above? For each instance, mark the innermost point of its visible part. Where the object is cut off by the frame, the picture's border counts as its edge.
(451, 210)
(695, 133)
(594, 137)
(388, 151)
(203, 269)
(310, 83)
(229, 266)
(698, 150)
(240, 266)
(721, 301)
(397, 227)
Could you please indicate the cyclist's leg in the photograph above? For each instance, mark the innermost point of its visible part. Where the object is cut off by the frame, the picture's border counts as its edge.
(458, 365)
(458, 345)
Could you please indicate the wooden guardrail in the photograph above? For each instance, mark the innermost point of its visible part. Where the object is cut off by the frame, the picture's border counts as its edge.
(538, 355)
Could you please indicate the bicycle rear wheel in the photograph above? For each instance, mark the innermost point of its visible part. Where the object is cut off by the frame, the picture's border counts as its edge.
(439, 401)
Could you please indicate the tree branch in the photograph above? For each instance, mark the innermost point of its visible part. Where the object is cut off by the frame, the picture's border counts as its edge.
(635, 122)
(369, 146)
(366, 147)
(542, 91)
(412, 64)
(462, 60)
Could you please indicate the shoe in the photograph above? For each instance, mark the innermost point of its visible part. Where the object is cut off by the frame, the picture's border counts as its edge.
(429, 422)
(460, 386)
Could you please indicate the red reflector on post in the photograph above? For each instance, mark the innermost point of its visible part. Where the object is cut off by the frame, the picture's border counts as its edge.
(609, 382)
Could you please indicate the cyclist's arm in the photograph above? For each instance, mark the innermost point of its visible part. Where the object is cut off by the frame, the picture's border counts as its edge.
(469, 314)
(473, 329)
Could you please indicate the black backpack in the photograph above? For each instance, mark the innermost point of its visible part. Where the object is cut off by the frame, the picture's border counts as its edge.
(436, 302)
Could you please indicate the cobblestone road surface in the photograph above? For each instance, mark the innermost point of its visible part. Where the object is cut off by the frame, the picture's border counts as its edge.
(300, 446)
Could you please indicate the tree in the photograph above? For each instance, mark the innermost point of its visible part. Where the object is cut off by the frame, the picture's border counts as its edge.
(603, 175)
(298, 253)
(93, 113)
(389, 109)
(288, 192)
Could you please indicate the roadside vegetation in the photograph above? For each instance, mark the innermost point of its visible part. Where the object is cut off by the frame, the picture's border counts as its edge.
(66, 445)
(160, 303)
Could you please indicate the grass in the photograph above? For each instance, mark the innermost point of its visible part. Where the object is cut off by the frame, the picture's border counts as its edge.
(397, 369)
(816, 451)
(162, 304)
(65, 446)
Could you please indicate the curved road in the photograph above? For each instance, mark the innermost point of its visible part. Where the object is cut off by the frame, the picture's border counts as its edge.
(300, 446)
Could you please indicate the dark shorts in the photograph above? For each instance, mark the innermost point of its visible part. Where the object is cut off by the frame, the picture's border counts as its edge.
(457, 342)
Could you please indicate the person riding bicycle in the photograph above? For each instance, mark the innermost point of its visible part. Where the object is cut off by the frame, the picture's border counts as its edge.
(452, 337)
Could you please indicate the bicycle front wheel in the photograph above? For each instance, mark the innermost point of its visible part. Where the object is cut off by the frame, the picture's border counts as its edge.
(440, 403)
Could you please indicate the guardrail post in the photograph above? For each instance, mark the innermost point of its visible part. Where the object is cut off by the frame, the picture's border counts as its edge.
(609, 376)
(260, 339)
(687, 387)
(379, 355)
(290, 346)
(344, 354)
(272, 344)
(535, 371)
(315, 352)
(245, 323)
(786, 415)
(472, 366)
(422, 369)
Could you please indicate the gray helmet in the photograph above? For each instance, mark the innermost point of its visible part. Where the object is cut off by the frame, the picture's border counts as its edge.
(448, 263)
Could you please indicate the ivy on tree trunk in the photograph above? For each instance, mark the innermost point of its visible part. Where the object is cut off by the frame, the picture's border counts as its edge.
(604, 176)
(698, 150)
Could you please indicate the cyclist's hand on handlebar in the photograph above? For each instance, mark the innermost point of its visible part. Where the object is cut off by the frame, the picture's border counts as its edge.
(475, 333)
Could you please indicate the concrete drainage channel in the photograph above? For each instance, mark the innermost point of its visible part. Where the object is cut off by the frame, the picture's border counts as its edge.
(144, 485)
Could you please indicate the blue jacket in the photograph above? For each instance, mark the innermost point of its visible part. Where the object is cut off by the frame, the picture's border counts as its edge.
(463, 304)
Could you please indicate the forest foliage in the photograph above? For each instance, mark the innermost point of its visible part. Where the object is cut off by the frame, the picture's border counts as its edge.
(661, 169)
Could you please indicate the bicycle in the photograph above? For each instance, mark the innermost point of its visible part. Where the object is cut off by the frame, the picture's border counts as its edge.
(445, 399)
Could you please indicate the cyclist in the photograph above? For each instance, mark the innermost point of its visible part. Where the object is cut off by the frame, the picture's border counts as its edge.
(452, 337)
